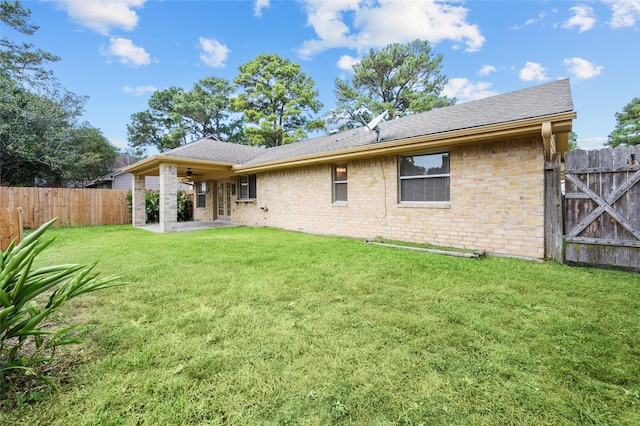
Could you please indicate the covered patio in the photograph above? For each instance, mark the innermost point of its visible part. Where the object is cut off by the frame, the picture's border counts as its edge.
(207, 160)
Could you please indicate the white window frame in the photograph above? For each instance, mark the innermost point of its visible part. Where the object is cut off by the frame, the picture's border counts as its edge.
(345, 182)
(424, 176)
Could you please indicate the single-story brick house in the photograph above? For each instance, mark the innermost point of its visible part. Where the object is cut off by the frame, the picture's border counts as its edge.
(470, 175)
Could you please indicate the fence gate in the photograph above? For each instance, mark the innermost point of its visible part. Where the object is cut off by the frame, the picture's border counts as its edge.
(602, 207)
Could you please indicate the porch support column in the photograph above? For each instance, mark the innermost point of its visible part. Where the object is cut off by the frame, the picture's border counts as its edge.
(138, 207)
(168, 198)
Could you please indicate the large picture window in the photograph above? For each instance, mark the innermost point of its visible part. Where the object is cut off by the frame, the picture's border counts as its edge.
(340, 182)
(247, 184)
(424, 178)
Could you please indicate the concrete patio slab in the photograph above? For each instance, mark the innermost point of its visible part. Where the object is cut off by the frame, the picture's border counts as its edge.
(193, 226)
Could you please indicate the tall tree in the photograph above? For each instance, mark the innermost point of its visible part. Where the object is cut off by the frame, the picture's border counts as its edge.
(278, 101)
(41, 141)
(399, 78)
(176, 116)
(159, 126)
(91, 156)
(21, 61)
(206, 109)
(627, 130)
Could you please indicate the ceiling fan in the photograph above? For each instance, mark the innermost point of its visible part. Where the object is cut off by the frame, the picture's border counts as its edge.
(190, 173)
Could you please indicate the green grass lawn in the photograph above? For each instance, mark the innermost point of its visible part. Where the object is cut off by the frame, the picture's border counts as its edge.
(260, 326)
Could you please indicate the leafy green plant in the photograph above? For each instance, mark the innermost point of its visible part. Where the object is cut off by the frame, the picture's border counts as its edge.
(185, 206)
(152, 206)
(25, 341)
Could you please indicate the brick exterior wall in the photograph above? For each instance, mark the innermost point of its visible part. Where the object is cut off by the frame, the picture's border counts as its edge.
(496, 205)
(208, 212)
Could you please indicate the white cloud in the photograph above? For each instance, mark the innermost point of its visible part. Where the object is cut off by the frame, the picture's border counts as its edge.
(101, 16)
(487, 69)
(363, 24)
(541, 16)
(465, 91)
(213, 53)
(347, 62)
(538, 18)
(591, 143)
(581, 68)
(583, 18)
(625, 12)
(119, 143)
(533, 72)
(139, 90)
(126, 52)
(258, 6)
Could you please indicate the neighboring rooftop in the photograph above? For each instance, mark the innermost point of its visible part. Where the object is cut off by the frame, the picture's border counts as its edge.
(123, 160)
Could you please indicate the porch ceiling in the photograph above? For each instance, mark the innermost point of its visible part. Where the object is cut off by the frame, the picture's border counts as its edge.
(200, 169)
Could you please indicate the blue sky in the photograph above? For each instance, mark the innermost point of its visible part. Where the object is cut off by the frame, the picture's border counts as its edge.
(117, 52)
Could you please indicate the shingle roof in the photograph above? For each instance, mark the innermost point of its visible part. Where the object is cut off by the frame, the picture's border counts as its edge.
(538, 101)
(210, 148)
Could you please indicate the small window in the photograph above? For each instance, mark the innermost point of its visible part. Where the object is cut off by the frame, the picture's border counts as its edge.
(247, 184)
(340, 182)
(424, 178)
(201, 201)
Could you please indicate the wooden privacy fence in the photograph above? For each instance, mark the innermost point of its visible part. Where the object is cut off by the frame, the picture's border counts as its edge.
(72, 206)
(602, 207)
(10, 226)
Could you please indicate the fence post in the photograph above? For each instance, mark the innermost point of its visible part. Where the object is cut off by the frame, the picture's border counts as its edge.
(10, 226)
(553, 238)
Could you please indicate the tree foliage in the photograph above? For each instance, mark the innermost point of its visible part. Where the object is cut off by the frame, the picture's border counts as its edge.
(21, 61)
(573, 141)
(42, 141)
(399, 78)
(206, 109)
(627, 130)
(277, 101)
(158, 126)
(176, 116)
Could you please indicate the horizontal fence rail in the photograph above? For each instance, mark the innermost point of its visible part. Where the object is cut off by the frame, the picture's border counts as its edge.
(602, 207)
(72, 206)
